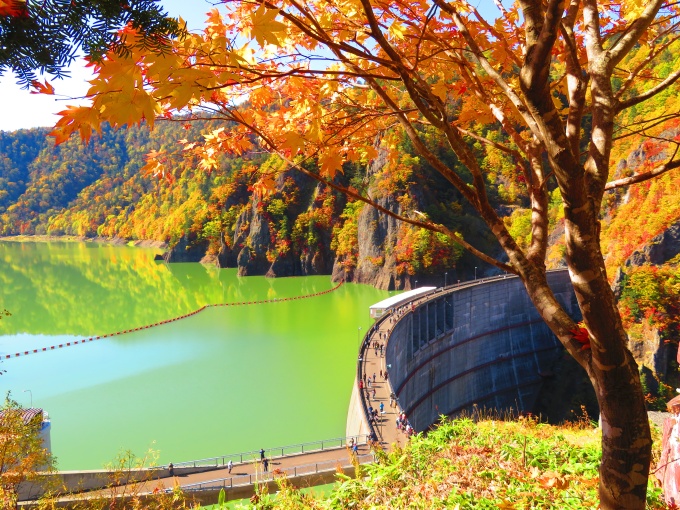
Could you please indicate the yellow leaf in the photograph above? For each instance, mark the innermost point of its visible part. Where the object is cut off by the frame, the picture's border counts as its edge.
(265, 26)
(396, 30)
(293, 142)
(633, 9)
(265, 185)
(154, 166)
(76, 118)
(331, 163)
(440, 89)
(182, 95)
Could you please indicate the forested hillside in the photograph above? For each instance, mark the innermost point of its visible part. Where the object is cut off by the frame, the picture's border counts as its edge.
(97, 189)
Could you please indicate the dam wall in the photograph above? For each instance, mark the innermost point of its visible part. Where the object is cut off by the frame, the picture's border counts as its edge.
(480, 345)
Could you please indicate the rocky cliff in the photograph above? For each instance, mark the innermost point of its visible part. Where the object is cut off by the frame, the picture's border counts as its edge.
(292, 233)
(285, 234)
(653, 337)
(659, 250)
(377, 237)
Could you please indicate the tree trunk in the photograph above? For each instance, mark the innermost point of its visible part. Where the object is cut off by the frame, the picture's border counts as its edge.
(626, 438)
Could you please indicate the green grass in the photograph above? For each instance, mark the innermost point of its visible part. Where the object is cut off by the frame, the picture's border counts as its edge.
(519, 464)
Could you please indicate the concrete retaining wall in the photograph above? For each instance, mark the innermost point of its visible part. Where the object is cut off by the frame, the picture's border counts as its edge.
(481, 345)
(64, 482)
(210, 496)
(356, 418)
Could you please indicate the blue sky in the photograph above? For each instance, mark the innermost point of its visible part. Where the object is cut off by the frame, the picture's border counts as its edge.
(21, 109)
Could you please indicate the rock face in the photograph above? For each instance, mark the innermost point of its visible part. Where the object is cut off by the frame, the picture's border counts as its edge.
(290, 233)
(252, 259)
(652, 355)
(660, 249)
(256, 246)
(377, 233)
(651, 352)
(187, 249)
(377, 237)
(226, 256)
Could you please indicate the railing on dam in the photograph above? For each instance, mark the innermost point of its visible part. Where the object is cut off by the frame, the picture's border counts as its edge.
(276, 452)
(293, 471)
(365, 345)
(480, 342)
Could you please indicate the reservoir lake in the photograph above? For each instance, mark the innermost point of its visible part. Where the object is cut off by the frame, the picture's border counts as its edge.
(225, 380)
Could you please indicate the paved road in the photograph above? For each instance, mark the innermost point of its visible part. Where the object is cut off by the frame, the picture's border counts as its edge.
(250, 471)
(374, 364)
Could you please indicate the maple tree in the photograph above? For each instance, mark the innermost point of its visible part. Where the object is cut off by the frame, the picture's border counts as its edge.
(22, 454)
(533, 94)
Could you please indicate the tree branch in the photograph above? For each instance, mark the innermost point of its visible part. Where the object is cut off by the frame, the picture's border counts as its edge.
(481, 60)
(539, 54)
(632, 33)
(670, 80)
(591, 19)
(634, 179)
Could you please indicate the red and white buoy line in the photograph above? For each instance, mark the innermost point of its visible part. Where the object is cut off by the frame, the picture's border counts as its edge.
(149, 326)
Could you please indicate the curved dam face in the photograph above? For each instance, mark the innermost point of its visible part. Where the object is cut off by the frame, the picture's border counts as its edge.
(482, 344)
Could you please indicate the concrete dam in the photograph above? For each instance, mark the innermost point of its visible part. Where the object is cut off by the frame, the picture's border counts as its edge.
(477, 344)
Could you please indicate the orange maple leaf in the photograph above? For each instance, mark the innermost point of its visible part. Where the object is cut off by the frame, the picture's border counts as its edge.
(581, 335)
(47, 88)
(265, 185)
(331, 163)
(265, 26)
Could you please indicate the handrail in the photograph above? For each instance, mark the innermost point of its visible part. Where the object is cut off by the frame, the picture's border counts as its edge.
(249, 479)
(294, 449)
(365, 344)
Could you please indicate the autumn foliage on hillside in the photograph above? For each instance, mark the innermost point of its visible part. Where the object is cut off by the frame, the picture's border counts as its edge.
(643, 211)
(98, 189)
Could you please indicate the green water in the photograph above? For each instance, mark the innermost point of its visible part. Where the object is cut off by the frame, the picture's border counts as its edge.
(228, 379)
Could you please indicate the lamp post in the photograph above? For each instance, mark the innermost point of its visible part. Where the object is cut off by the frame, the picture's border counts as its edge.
(359, 336)
(416, 284)
(475, 272)
(31, 394)
(444, 280)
